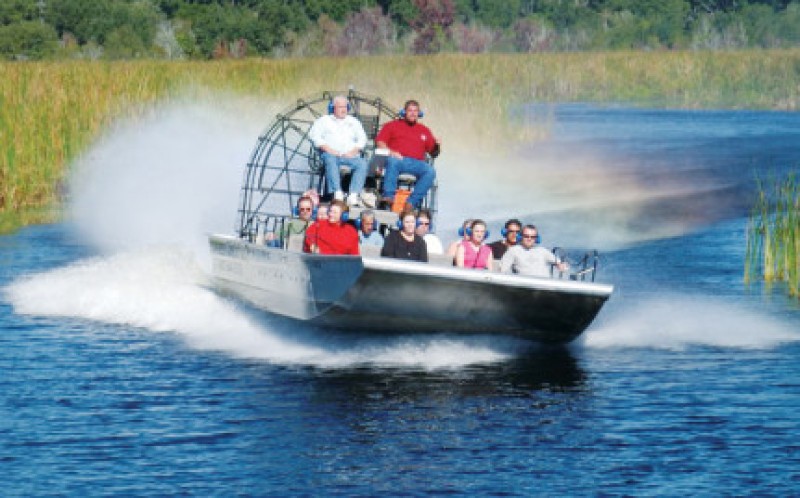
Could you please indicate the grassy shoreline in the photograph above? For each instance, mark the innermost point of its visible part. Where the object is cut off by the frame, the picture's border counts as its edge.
(51, 112)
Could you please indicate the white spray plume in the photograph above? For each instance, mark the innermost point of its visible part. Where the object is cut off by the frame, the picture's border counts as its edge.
(675, 322)
(166, 179)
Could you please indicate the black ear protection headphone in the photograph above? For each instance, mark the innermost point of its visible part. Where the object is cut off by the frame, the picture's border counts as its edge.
(330, 107)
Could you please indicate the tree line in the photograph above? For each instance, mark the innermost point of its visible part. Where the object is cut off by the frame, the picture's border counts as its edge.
(205, 29)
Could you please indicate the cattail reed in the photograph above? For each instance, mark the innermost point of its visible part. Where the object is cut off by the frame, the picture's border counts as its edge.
(773, 234)
(50, 112)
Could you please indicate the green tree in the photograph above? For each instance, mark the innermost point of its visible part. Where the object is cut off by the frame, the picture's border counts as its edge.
(643, 23)
(497, 13)
(278, 18)
(402, 13)
(96, 20)
(564, 15)
(28, 40)
(787, 26)
(124, 43)
(14, 11)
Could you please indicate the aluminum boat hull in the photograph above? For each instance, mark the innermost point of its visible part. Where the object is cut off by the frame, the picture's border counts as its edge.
(390, 295)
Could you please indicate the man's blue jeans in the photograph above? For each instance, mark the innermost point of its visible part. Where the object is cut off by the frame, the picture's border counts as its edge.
(358, 172)
(423, 171)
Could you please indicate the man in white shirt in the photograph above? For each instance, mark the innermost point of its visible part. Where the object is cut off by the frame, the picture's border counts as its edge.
(423, 230)
(528, 258)
(340, 138)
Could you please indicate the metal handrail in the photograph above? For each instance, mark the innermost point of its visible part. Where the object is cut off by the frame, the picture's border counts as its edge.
(585, 266)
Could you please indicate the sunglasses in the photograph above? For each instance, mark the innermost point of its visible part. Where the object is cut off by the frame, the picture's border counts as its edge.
(512, 231)
(305, 209)
(424, 222)
(527, 236)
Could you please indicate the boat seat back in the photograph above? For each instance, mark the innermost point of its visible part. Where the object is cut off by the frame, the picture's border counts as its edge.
(369, 251)
(440, 260)
(370, 124)
(294, 242)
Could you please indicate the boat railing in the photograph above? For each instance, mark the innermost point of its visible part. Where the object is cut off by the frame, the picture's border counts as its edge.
(583, 269)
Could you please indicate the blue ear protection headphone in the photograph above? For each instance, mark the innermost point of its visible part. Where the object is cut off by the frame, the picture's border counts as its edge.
(468, 232)
(358, 224)
(345, 216)
(330, 107)
(402, 113)
(504, 232)
(399, 223)
(296, 212)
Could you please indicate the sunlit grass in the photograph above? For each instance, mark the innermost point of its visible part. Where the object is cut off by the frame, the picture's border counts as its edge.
(773, 235)
(50, 112)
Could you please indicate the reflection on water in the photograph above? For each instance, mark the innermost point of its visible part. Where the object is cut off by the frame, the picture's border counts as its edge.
(542, 370)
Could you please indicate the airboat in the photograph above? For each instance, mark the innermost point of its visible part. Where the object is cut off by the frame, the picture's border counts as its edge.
(269, 270)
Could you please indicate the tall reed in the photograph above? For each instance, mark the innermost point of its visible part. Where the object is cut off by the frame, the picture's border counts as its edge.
(50, 112)
(773, 235)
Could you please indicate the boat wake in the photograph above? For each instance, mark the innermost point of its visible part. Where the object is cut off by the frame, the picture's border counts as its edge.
(164, 290)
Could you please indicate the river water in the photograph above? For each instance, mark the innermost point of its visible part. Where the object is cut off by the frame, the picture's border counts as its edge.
(121, 373)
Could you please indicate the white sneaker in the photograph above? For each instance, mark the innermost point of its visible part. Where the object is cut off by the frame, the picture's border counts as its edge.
(338, 195)
(369, 199)
(353, 200)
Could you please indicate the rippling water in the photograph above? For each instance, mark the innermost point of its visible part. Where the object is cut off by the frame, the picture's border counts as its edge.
(122, 373)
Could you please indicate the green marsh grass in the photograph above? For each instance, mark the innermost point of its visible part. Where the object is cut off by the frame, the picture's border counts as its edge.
(773, 234)
(51, 112)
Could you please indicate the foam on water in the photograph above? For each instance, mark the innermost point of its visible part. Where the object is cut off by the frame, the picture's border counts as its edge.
(164, 290)
(676, 322)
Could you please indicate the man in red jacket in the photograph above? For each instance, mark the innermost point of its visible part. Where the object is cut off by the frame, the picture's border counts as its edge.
(407, 141)
(332, 236)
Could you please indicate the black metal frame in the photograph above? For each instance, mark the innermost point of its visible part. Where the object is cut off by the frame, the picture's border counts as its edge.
(586, 265)
(285, 164)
